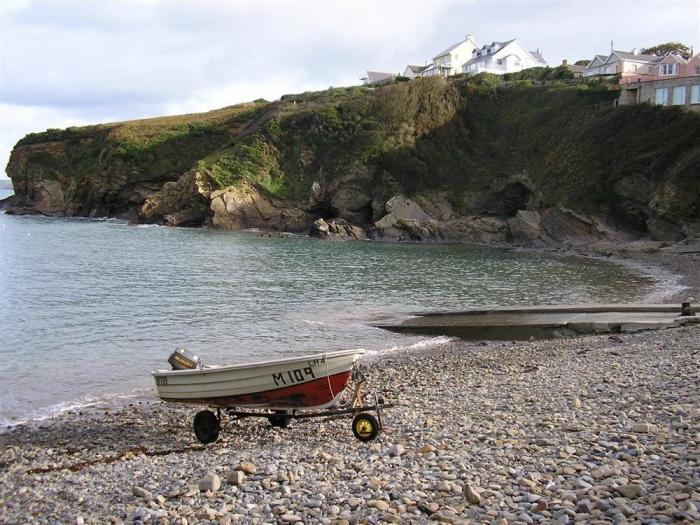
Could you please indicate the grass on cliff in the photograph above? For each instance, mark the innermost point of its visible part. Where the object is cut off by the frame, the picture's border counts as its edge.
(462, 135)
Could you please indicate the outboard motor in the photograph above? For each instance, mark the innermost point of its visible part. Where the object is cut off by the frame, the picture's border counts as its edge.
(182, 359)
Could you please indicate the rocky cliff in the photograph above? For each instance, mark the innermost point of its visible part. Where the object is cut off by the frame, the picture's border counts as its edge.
(467, 159)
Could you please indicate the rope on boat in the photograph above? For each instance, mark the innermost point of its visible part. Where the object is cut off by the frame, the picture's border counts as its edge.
(328, 376)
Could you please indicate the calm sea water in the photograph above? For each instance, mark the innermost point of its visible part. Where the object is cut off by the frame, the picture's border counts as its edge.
(89, 308)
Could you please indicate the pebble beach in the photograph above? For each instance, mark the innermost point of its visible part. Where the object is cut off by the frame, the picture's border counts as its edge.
(598, 429)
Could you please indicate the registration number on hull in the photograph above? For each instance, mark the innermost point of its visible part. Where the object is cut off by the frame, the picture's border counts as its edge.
(291, 377)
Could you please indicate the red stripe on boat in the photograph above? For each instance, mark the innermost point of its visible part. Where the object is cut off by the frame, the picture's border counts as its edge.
(309, 394)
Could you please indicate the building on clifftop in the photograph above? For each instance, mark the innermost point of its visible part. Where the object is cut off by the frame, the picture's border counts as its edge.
(672, 81)
(503, 57)
(621, 63)
(414, 71)
(449, 62)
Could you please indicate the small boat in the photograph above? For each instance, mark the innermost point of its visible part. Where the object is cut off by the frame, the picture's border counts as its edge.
(313, 381)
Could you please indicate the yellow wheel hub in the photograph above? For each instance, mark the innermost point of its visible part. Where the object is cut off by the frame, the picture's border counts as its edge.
(364, 427)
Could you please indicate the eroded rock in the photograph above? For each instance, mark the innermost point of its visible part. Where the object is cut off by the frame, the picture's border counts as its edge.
(249, 206)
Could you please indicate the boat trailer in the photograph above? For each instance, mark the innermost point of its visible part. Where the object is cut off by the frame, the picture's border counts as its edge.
(365, 425)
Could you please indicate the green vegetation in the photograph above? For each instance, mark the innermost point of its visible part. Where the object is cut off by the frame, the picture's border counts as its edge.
(541, 74)
(460, 136)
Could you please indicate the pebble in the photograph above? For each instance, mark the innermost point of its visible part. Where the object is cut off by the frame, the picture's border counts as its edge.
(397, 450)
(473, 494)
(236, 477)
(247, 468)
(378, 504)
(458, 455)
(211, 482)
(632, 491)
(644, 428)
(142, 493)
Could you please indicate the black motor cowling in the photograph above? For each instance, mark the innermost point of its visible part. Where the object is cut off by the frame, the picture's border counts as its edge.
(182, 359)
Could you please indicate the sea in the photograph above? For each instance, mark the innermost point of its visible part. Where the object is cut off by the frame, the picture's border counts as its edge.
(88, 308)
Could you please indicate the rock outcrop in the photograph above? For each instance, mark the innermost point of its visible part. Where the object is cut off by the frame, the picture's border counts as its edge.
(184, 202)
(249, 206)
(336, 230)
(426, 160)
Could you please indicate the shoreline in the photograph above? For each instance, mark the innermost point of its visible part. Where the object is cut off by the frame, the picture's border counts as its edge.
(591, 428)
(662, 268)
(491, 432)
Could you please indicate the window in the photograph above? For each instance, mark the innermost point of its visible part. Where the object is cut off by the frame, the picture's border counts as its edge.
(678, 95)
(695, 94)
(500, 62)
(668, 69)
(661, 96)
(697, 70)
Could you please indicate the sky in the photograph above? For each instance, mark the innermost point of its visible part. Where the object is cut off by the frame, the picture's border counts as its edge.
(67, 63)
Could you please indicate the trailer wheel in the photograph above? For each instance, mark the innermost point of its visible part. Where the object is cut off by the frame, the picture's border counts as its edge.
(365, 427)
(206, 426)
(280, 419)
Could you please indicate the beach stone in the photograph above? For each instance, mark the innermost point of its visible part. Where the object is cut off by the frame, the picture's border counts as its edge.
(643, 428)
(397, 450)
(426, 449)
(375, 483)
(247, 468)
(236, 477)
(378, 504)
(576, 404)
(142, 493)
(444, 516)
(473, 494)
(290, 518)
(632, 491)
(583, 507)
(525, 518)
(211, 482)
(540, 506)
(429, 506)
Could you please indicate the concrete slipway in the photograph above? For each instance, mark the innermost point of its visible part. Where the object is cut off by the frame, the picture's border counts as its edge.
(544, 322)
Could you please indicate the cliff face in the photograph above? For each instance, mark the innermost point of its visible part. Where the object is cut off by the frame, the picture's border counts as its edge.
(464, 159)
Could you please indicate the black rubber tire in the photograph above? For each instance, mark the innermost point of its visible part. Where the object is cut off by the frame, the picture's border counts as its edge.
(365, 427)
(206, 426)
(280, 419)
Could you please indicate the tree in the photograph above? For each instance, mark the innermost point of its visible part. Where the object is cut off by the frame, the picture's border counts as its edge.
(676, 48)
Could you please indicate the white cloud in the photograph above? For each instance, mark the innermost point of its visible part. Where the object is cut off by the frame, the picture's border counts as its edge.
(66, 63)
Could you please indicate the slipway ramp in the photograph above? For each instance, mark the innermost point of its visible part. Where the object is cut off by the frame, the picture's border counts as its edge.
(543, 322)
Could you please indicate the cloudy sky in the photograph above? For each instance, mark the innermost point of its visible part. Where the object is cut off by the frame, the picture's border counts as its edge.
(75, 62)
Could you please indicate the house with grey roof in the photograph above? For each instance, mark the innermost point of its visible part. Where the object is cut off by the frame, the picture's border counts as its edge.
(576, 69)
(414, 71)
(449, 62)
(503, 57)
(621, 63)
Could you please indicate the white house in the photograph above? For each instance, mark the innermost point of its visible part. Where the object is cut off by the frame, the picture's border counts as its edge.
(621, 62)
(450, 61)
(414, 71)
(503, 57)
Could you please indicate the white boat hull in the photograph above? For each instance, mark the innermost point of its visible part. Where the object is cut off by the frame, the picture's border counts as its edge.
(309, 382)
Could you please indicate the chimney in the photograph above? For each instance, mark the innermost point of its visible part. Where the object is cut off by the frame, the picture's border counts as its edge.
(565, 62)
(469, 37)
